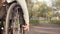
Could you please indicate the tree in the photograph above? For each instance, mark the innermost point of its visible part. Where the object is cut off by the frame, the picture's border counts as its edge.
(40, 10)
(58, 4)
(49, 12)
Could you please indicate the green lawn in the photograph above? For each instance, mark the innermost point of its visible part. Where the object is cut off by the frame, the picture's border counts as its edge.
(34, 21)
(45, 21)
(55, 22)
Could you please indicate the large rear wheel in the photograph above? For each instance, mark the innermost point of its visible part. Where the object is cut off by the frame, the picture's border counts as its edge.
(13, 20)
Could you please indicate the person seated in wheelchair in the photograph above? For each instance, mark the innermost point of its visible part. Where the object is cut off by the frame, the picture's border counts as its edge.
(23, 4)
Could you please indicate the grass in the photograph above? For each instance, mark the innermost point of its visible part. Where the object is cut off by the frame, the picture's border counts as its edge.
(45, 21)
(55, 22)
(34, 21)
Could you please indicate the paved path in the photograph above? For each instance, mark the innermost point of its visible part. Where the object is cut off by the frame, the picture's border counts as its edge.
(44, 29)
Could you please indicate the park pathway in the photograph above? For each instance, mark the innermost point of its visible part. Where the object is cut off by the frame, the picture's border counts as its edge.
(44, 29)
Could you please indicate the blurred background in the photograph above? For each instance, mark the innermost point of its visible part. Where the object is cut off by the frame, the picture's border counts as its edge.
(44, 11)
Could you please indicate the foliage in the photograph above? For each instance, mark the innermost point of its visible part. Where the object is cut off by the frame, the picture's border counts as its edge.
(39, 10)
(58, 8)
(58, 4)
(49, 12)
(42, 10)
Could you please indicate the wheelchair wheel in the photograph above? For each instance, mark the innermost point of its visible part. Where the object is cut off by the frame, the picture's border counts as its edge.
(12, 19)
